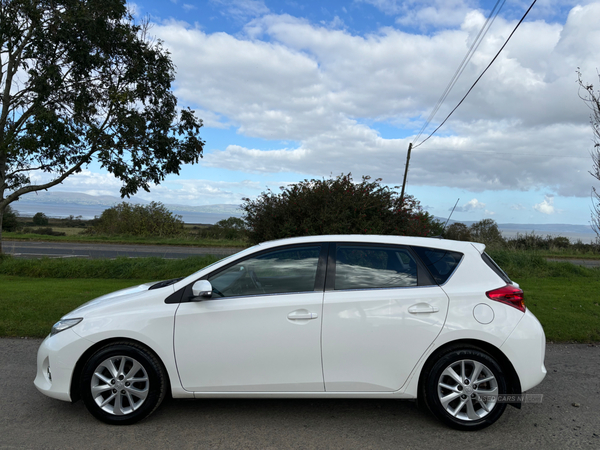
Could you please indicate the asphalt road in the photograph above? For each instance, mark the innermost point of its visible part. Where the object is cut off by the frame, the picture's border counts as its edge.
(568, 417)
(26, 249)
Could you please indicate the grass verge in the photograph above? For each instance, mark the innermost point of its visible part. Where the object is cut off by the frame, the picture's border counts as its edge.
(567, 307)
(29, 306)
(188, 240)
(120, 268)
(36, 293)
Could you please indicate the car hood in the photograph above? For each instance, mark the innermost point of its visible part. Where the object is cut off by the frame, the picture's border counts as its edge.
(120, 296)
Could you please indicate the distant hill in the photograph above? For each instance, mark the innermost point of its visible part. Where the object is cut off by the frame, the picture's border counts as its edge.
(63, 204)
(537, 228)
(77, 198)
(57, 197)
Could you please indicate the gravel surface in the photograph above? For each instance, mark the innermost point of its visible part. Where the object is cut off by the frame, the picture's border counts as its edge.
(568, 417)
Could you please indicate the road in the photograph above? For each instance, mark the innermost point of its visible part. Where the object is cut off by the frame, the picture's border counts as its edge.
(568, 417)
(590, 263)
(26, 249)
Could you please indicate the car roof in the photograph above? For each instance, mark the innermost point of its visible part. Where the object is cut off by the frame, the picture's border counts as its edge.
(432, 242)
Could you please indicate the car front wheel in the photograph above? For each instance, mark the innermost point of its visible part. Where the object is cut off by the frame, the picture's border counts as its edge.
(122, 383)
(462, 389)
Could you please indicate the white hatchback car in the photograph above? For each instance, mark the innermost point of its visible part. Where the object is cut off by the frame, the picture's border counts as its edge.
(349, 316)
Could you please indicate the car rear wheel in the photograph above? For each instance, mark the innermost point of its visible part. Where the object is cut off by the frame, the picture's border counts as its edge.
(122, 383)
(462, 389)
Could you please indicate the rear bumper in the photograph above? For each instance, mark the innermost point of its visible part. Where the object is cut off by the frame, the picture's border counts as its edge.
(526, 349)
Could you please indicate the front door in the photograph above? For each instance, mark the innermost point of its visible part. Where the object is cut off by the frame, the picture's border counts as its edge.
(261, 331)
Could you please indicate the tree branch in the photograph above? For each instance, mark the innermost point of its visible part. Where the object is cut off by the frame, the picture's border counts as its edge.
(40, 187)
(14, 60)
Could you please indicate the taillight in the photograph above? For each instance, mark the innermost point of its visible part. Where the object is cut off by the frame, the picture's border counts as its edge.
(510, 295)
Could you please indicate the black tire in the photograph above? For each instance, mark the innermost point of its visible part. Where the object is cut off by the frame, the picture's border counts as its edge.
(457, 400)
(122, 383)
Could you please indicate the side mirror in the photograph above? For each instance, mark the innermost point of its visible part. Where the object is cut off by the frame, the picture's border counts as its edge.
(201, 290)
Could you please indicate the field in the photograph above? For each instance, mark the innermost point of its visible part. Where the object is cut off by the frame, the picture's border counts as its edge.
(77, 230)
(34, 294)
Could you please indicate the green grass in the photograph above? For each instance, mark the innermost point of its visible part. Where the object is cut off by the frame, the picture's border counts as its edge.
(567, 307)
(36, 293)
(185, 240)
(523, 264)
(120, 268)
(30, 306)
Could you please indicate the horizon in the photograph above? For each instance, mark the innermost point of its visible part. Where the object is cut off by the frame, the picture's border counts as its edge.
(215, 212)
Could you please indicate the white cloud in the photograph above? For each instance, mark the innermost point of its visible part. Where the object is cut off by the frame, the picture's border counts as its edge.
(134, 9)
(523, 127)
(200, 192)
(173, 190)
(546, 206)
(471, 205)
(423, 13)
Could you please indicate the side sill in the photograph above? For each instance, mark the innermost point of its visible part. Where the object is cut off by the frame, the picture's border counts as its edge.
(390, 395)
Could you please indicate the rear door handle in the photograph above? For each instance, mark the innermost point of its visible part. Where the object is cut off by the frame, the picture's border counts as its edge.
(423, 308)
(302, 314)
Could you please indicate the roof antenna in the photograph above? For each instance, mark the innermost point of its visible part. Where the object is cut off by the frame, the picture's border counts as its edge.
(451, 212)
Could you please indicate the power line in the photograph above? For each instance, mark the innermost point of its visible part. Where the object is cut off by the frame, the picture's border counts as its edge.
(480, 76)
(462, 66)
(514, 154)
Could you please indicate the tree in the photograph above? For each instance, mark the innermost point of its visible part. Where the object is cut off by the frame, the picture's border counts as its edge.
(81, 81)
(457, 231)
(10, 222)
(336, 206)
(40, 219)
(486, 231)
(592, 99)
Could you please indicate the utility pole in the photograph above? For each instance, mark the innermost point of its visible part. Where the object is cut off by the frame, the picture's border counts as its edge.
(406, 170)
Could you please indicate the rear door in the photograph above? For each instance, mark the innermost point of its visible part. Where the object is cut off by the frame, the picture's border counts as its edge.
(381, 311)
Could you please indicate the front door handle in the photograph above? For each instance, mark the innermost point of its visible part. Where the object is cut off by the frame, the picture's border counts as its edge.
(423, 308)
(302, 314)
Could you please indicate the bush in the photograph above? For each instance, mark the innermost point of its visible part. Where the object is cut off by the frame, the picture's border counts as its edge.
(40, 219)
(9, 220)
(125, 219)
(47, 231)
(74, 222)
(336, 206)
(230, 229)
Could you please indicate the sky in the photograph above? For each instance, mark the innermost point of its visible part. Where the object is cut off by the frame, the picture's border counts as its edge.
(294, 90)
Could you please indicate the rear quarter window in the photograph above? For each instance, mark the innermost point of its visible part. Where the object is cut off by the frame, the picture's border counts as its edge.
(496, 268)
(440, 263)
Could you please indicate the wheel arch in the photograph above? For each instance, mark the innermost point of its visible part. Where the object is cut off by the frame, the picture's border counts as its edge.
(512, 378)
(77, 372)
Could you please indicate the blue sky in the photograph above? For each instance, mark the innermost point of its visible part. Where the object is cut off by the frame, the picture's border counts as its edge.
(290, 90)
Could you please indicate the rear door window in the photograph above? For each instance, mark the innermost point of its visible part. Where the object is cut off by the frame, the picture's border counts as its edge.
(366, 267)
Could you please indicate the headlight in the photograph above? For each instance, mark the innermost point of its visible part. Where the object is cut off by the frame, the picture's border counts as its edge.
(64, 324)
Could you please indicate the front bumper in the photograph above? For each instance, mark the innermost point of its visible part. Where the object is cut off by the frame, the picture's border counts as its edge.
(56, 360)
